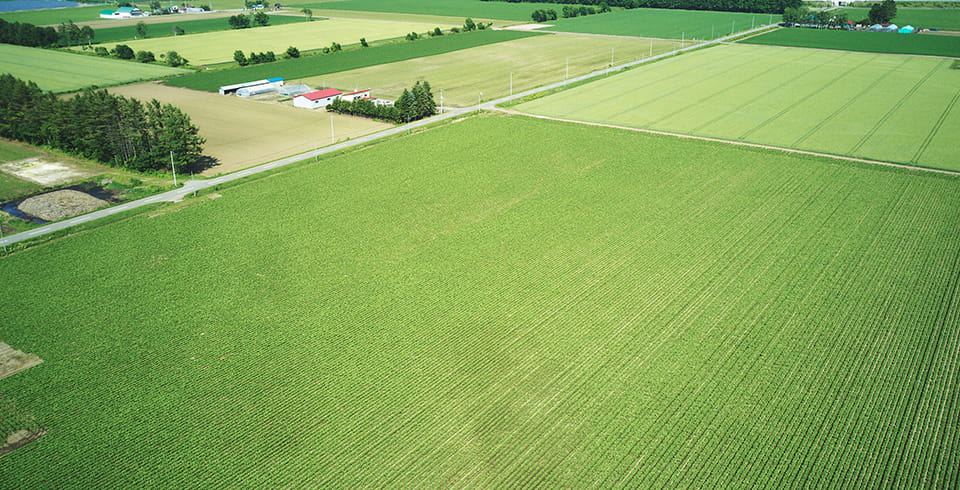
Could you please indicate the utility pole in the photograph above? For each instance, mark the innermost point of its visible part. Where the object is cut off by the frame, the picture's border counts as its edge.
(441, 101)
(611, 56)
(566, 73)
(172, 167)
(651, 47)
(683, 36)
(1, 239)
(480, 96)
(733, 26)
(333, 137)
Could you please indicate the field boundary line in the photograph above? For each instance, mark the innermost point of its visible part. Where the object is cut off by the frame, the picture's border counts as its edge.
(739, 143)
(936, 128)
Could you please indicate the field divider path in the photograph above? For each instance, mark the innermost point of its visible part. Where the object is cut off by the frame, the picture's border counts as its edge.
(198, 185)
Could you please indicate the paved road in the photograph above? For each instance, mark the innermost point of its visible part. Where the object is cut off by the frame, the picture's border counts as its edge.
(191, 186)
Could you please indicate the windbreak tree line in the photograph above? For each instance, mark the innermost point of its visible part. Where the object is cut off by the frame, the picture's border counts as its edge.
(756, 6)
(23, 34)
(95, 124)
(413, 104)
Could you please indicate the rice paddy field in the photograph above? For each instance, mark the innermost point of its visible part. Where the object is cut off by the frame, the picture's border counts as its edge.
(57, 71)
(664, 23)
(241, 133)
(349, 59)
(540, 305)
(464, 75)
(945, 19)
(885, 107)
(454, 8)
(870, 42)
(218, 47)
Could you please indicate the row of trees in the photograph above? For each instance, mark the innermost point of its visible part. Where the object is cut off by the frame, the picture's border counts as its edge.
(415, 103)
(757, 6)
(822, 18)
(95, 124)
(124, 52)
(255, 58)
(23, 34)
(883, 12)
(241, 21)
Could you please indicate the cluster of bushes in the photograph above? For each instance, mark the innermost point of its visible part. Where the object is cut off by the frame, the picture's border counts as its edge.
(543, 15)
(23, 34)
(415, 103)
(756, 6)
(571, 12)
(255, 58)
(124, 52)
(95, 124)
(819, 18)
(241, 21)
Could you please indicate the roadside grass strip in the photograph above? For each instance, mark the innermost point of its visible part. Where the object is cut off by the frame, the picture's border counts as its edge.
(870, 42)
(664, 23)
(57, 71)
(485, 72)
(452, 8)
(877, 106)
(309, 66)
(218, 47)
(505, 302)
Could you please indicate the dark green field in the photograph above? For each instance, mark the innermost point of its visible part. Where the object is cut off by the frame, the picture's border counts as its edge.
(504, 302)
(309, 66)
(165, 29)
(664, 23)
(944, 19)
(452, 8)
(869, 42)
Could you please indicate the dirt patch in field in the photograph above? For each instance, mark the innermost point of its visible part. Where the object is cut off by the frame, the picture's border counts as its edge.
(242, 133)
(13, 361)
(46, 172)
(527, 27)
(58, 205)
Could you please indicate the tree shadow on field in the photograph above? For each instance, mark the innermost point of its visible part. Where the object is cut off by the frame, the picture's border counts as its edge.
(205, 162)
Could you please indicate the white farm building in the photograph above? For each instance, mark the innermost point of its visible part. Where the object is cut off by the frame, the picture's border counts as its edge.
(122, 13)
(317, 99)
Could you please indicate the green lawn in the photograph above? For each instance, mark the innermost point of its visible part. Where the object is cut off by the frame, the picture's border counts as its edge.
(664, 23)
(886, 107)
(218, 47)
(536, 305)
(455, 8)
(870, 42)
(60, 72)
(943, 19)
(345, 60)
(165, 29)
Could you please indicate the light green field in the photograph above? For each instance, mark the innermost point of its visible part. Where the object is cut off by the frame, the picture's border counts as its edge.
(217, 47)
(879, 106)
(57, 71)
(452, 8)
(463, 75)
(504, 303)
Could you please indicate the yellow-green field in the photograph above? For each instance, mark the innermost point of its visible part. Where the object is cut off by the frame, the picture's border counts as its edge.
(464, 75)
(218, 47)
(878, 106)
(61, 72)
(242, 132)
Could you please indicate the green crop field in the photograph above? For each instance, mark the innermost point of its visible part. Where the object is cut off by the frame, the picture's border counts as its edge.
(453, 8)
(532, 61)
(664, 23)
(538, 305)
(54, 16)
(188, 24)
(61, 72)
(218, 47)
(870, 42)
(944, 19)
(886, 107)
(345, 60)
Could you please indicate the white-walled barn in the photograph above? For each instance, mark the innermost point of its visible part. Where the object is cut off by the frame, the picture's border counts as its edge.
(359, 94)
(317, 99)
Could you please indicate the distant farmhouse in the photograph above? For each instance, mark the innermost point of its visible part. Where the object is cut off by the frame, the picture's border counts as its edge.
(122, 13)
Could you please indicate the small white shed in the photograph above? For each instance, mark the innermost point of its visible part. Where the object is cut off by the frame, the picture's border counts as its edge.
(317, 99)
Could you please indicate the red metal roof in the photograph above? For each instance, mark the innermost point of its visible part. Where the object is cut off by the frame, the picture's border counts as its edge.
(358, 92)
(322, 94)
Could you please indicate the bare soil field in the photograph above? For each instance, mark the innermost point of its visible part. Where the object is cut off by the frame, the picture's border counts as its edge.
(241, 132)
